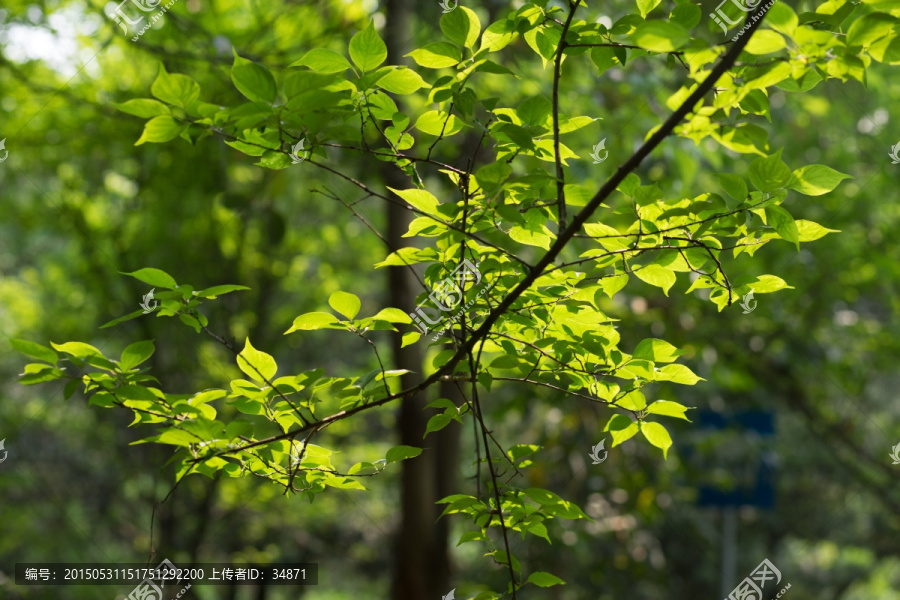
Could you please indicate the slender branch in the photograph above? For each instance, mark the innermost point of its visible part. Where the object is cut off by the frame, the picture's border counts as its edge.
(557, 72)
(562, 239)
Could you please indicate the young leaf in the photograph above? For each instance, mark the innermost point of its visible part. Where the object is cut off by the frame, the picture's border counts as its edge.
(402, 81)
(733, 185)
(783, 223)
(657, 435)
(769, 174)
(218, 290)
(657, 351)
(645, 6)
(312, 321)
(392, 315)
(143, 107)
(437, 55)
(323, 60)
(544, 579)
(258, 365)
(160, 129)
(667, 408)
(498, 35)
(176, 89)
(656, 275)
(77, 349)
(253, 80)
(810, 231)
(678, 374)
(135, 354)
(34, 350)
(661, 36)
(398, 453)
(367, 50)
(621, 428)
(344, 303)
(154, 277)
(419, 199)
(462, 26)
(815, 180)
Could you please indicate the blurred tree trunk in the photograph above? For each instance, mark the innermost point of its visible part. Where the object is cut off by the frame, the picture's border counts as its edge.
(420, 556)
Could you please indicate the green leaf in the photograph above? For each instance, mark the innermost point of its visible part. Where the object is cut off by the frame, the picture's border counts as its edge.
(402, 81)
(462, 26)
(769, 174)
(77, 349)
(253, 80)
(398, 453)
(436, 122)
(491, 177)
(34, 350)
(136, 353)
(645, 6)
(122, 319)
(160, 129)
(176, 89)
(657, 435)
(783, 223)
(498, 35)
(733, 185)
(344, 303)
(544, 579)
(258, 365)
(312, 321)
(611, 285)
(667, 408)
(686, 15)
(218, 290)
(766, 284)
(678, 374)
(869, 29)
(419, 199)
(763, 77)
(437, 55)
(323, 60)
(604, 57)
(657, 351)
(143, 107)
(154, 277)
(656, 275)
(437, 422)
(392, 315)
(661, 36)
(367, 50)
(810, 231)
(765, 41)
(621, 428)
(815, 180)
